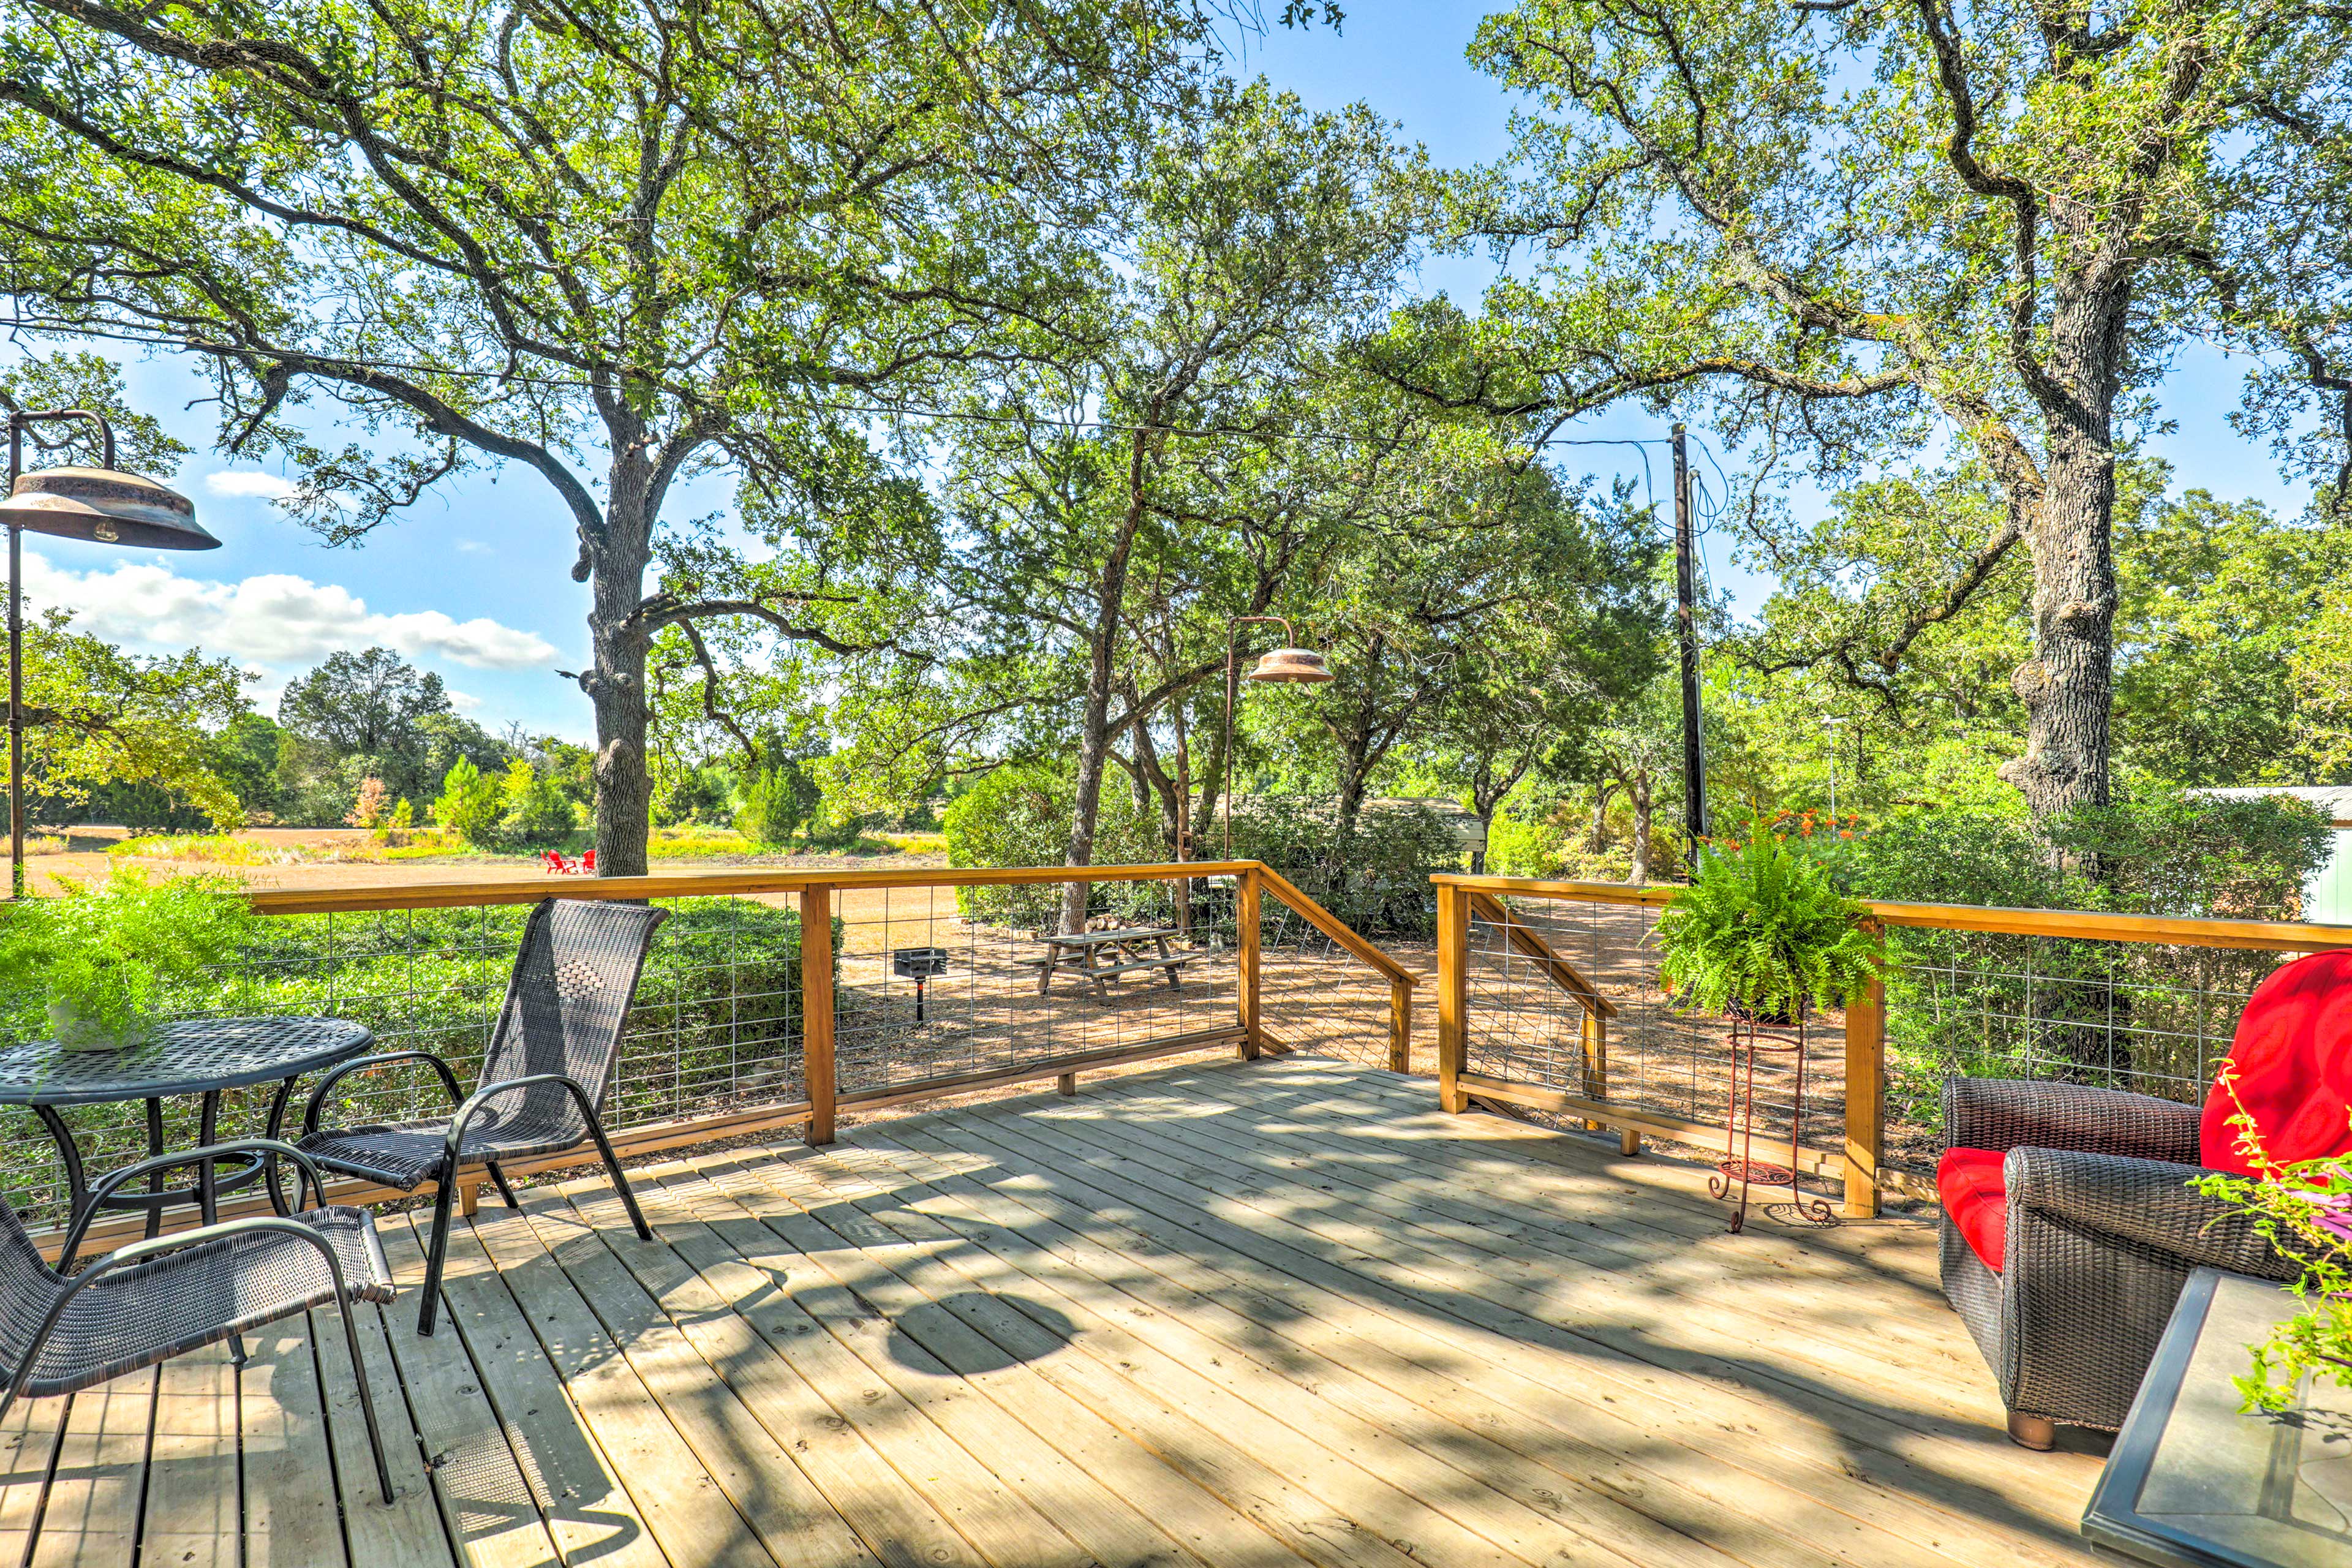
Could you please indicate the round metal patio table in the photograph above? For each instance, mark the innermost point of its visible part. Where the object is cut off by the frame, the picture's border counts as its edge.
(194, 1056)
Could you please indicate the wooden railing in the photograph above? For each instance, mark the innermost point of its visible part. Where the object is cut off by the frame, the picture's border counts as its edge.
(817, 894)
(1860, 1164)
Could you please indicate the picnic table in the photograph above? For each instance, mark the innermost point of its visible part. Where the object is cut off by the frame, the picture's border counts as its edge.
(1080, 950)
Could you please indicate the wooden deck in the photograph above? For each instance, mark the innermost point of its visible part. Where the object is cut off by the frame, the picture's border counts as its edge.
(1232, 1314)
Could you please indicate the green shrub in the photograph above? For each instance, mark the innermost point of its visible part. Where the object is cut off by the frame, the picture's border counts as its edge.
(1376, 876)
(470, 803)
(536, 812)
(718, 1009)
(1516, 848)
(775, 803)
(1019, 814)
(2131, 1015)
(108, 954)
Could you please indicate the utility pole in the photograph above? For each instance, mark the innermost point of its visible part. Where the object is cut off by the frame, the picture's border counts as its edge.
(1687, 629)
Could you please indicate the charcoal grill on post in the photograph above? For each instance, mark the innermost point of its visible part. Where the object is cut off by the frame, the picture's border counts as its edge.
(918, 964)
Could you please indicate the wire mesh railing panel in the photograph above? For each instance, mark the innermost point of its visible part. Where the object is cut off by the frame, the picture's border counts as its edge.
(2151, 1018)
(937, 982)
(716, 1025)
(1526, 1023)
(1314, 994)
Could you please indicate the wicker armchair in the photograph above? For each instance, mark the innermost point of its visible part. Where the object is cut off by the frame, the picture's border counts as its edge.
(153, 1300)
(544, 1082)
(2068, 1225)
(2097, 1232)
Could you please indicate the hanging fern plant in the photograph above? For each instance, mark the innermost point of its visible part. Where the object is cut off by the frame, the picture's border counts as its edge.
(1760, 930)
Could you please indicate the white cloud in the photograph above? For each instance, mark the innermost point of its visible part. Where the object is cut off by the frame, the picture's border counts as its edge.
(250, 482)
(473, 547)
(272, 618)
(462, 702)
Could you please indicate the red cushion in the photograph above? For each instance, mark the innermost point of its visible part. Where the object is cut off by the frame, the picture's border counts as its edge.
(2293, 1056)
(1968, 1180)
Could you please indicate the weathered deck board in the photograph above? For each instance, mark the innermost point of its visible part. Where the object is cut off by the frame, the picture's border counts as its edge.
(1257, 1315)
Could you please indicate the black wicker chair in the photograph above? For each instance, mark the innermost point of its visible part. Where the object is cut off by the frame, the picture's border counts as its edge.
(2098, 1231)
(544, 1077)
(153, 1300)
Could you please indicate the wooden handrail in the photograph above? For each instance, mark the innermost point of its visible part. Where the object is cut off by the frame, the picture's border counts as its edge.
(2082, 925)
(1332, 926)
(700, 884)
(1531, 944)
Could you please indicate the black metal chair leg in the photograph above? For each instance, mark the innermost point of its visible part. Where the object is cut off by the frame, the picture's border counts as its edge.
(350, 1311)
(506, 1188)
(436, 1252)
(620, 1178)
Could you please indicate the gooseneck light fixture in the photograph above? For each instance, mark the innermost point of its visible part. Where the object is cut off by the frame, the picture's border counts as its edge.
(103, 505)
(1282, 666)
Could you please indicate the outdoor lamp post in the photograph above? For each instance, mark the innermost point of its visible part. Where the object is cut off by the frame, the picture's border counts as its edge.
(1293, 666)
(103, 505)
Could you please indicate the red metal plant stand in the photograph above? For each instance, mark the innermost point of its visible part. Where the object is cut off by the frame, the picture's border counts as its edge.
(1739, 1167)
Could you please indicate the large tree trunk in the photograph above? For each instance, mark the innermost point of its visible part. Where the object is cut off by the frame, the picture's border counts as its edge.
(616, 681)
(1637, 791)
(2068, 686)
(1094, 723)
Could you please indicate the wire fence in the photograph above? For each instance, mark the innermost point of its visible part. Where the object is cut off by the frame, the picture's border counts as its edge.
(930, 983)
(716, 1025)
(936, 982)
(2150, 1018)
(1526, 1023)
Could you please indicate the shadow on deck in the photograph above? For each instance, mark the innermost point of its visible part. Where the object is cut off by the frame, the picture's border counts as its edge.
(1212, 1315)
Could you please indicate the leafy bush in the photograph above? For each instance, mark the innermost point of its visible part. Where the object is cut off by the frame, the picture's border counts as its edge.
(104, 955)
(370, 804)
(1019, 814)
(1516, 848)
(535, 810)
(1374, 876)
(2127, 1015)
(471, 804)
(718, 1009)
(1761, 929)
(775, 803)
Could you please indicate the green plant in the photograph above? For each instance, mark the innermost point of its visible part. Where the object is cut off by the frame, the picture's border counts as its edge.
(103, 953)
(774, 803)
(1762, 929)
(2305, 1210)
(1531, 848)
(535, 810)
(470, 803)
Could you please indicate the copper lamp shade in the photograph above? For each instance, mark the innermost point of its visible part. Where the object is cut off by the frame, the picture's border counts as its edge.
(1299, 665)
(106, 506)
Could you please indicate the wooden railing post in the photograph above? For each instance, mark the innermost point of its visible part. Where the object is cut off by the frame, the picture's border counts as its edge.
(1595, 1034)
(816, 1009)
(1452, 995)
(1246, 924)
(1865, 1098)
(1400, 1025)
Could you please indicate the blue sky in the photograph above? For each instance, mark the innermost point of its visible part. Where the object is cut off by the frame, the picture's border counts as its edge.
(475, 582)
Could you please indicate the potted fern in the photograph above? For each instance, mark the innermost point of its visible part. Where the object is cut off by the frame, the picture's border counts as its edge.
(1761, 932)
(94, 959)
